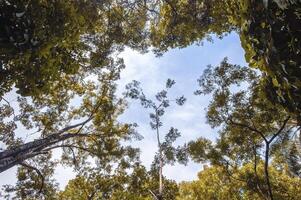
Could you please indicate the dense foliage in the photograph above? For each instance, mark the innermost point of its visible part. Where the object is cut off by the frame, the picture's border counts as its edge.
(59, 63)
(41, 41)
(269, 32)
(252, 130)
(216, 183)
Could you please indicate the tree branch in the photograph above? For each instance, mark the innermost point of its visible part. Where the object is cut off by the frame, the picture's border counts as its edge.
(280, 130)
(255, 172)
(154, 196)
(70, 146)
(266, 171)
(24, 164)
(75, 126)
(250, 128)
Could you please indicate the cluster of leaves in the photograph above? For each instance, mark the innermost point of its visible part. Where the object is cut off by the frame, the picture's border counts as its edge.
(62, 61)
(119, 185)
(215, 183)
(167, 153)
(252, 133)
(269, 33)
(61, 58)
(32, 185)
(41, 41)
(181, 23)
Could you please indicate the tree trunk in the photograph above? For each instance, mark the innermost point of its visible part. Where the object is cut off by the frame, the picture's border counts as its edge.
(160, 195)
(160, 177)
(266, 171)
(12, 157)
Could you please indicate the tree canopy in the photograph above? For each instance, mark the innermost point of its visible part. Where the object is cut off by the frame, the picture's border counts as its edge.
(215, 183)
(252, 130)
(41, 41)
(269, 33)
(60, 61)
(63, 37)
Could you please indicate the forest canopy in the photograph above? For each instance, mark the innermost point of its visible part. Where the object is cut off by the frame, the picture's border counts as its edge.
(61, 60)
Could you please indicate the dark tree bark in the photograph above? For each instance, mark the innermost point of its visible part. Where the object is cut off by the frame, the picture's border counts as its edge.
(12, 157)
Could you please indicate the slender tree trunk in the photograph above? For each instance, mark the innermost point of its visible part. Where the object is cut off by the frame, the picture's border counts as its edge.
(160, 177)
(259, 188)
(160, 161)
(160, 169)
(266, 171)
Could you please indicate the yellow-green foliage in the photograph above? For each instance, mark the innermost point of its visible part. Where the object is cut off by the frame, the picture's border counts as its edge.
(215, 183)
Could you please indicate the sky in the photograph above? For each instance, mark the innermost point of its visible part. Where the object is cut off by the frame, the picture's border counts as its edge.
(184, 66)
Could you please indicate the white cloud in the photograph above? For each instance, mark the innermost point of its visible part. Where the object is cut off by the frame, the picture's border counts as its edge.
(185, 66)
(143, 68)
(181, 173)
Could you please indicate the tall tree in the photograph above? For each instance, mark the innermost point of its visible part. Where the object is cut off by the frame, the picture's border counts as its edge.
(294, 159)
(249, 124)
(269, 32)
(167, 153)
(214, 182)
(119, 185)
(42, 41)
(80, 118)
(63, 58)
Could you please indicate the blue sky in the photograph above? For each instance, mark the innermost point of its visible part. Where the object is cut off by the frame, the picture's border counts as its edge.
(184, 66)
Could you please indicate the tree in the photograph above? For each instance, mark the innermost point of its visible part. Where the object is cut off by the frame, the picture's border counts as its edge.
(215, 183)
(271, 40)
(249, 124)
(269, 33)
(34, 180)
(294, 160)
(119, 185)
(83, 129)
(166, 152)
(62, 38)
(64, 60)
